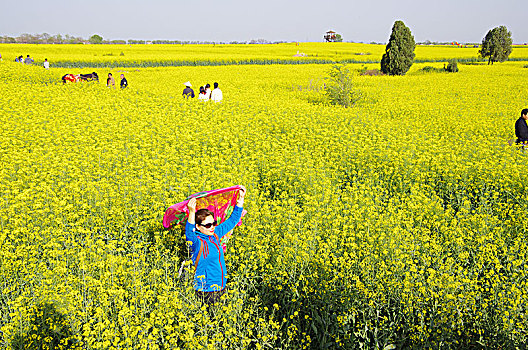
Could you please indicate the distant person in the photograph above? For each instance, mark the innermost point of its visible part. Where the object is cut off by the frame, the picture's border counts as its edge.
(28, 60)
(216, 95)
(1, 57)
(19, 59)
(124, 82)
(208, 91)
(46, 63)
(521, 128)
(110, 82)
(188, 92)
(203, 95)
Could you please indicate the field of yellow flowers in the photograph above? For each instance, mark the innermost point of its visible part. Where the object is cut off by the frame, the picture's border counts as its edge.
(400, 222)
(144, 56)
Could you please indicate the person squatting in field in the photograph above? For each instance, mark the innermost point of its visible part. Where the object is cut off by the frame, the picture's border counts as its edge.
(207, 254)
(188, 91)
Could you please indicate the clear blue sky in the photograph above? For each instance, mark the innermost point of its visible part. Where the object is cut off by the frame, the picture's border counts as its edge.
(273, 20)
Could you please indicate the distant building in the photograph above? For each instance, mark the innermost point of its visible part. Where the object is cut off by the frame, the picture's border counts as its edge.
(330, 36)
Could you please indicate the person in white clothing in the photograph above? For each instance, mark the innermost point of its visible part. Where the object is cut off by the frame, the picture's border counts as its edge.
(216, 95)
(46, 64)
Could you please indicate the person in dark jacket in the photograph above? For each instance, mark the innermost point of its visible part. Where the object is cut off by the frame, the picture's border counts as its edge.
(124, 82)
(521, 128)
(188, 92)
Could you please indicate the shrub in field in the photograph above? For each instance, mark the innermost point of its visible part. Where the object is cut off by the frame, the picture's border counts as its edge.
(399, 52)
(452, 66)
(430, 69)
(340, 89)
(372, 72)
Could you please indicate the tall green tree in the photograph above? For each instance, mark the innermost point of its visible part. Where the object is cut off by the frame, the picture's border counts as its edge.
(96, 39)
(399, 52)
(496, 45)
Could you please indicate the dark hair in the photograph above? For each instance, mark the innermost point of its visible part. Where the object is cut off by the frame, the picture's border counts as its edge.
(109, 73)
(202, 214)
(202, 89)
(207, 86)
(524, 112)
(215, 85)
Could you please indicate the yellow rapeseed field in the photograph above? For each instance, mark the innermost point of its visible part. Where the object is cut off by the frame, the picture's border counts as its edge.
(153, 55)
(400, 221)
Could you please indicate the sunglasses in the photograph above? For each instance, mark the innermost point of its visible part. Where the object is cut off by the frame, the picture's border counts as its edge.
(209, 225)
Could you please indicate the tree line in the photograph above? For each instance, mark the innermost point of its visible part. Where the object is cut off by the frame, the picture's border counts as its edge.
(46, 38)
(43, 38)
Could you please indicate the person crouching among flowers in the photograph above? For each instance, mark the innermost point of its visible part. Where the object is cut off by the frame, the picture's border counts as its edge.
(207, 254)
